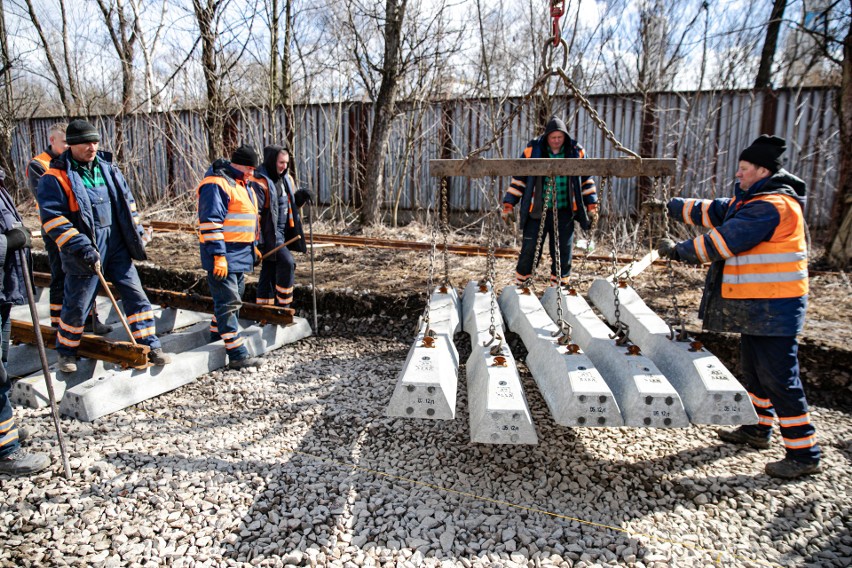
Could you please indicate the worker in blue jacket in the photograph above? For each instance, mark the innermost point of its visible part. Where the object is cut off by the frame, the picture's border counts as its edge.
(87, 209)
(574, 198)
(14, 238)
(228, 233)
(757, 286)
(280, 221)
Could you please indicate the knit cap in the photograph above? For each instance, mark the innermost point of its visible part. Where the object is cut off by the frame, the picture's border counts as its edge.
(80, 131)
(766, 152)
(245, 155)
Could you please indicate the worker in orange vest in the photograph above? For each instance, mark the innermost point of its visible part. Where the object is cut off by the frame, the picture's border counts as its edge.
(228, 233)
(757, 286)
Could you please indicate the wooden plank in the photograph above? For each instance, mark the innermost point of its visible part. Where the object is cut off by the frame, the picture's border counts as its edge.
(635, 268)
(614, 167)
(123, 353)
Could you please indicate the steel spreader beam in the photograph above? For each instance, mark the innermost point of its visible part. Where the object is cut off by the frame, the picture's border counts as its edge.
(645, 396)
(427, 384)
(574, 390)
(710, 393)
(611, 167)
(498, 409)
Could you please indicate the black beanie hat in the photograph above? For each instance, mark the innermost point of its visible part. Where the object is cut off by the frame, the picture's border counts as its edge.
(244, 156)
(555, 124)
(80, 131)
(766, 152)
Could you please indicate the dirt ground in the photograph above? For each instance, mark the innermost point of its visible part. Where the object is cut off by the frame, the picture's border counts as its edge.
(389, 275)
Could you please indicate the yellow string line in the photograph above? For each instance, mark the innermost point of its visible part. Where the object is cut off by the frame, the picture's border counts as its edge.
(710, 552)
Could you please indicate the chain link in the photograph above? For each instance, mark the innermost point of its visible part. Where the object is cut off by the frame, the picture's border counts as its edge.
(445, 230)
(490, 268)
(621, 329)
(539, 241)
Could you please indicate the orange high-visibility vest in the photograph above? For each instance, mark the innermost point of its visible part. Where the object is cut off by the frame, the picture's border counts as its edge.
(777, 268)
(240, 223)
(43, 159)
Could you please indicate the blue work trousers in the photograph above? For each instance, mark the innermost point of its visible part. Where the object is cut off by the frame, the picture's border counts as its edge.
(277, 276)
(227, 300)
(527, 258)
(8, 428)
(57, 278)
(81, 290)
(770, 368)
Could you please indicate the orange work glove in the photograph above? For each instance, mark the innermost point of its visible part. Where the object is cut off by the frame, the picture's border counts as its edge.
(508, 213)
(220, 267)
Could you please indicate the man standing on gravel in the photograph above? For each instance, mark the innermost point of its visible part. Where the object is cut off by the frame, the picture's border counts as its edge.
(758, 286)
(14, 237)
(87, 209)
(279, 204)
(228, 230)
(573, 198)
(35, 169)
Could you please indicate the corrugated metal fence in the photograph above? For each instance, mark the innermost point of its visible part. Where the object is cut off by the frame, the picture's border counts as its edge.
(165, 153)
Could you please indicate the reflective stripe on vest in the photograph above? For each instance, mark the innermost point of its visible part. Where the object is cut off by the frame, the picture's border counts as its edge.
(240, 223)
(777, 268)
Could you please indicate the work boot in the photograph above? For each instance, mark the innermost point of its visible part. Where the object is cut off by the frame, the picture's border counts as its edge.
(791, 469)
(741, 436)
(21, 462)
(244, 363)
(158, 357)
(98, 328)
(67, 363)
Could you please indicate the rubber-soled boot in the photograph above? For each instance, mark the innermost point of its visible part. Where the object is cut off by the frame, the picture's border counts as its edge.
(67, 363)
(740, 436)
(21, 462)
(791, 469)
(98, 329)
(158, 357)
(244, 363)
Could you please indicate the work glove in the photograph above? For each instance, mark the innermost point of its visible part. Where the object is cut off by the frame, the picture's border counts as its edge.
(18, 238)
(90, 257)
(220, 267)
(508, 213)
(303, 196)
(668, 249)
(652, 205)
(258, 256)
(593, 217)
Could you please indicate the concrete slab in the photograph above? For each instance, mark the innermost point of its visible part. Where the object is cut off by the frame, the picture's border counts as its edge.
(98, 397)
(498, 409)
(427, 384)
(31, 390)
(644, 395)
(574, 390)
(710, 392)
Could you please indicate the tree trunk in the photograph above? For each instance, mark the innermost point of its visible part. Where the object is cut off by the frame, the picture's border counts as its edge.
(767, 55)
(385, 109)
(286, 82)
(840, 228)
(7, 111)
(213, 121)
(274, 20)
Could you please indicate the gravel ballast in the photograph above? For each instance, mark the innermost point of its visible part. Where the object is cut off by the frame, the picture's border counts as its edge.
(294, 463)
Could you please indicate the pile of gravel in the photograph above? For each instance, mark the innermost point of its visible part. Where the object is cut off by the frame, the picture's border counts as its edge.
(295, 464)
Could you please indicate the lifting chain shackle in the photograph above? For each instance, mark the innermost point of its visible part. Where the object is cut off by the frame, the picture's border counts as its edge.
(539, 240)
(557, 10)
(677, 320)
(445, 230)
(564, 330)
(490, 268)
(622, 330)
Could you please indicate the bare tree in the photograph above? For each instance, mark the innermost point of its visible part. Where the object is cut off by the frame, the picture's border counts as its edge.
(124, 31)
(7, 113)
(770, 43)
